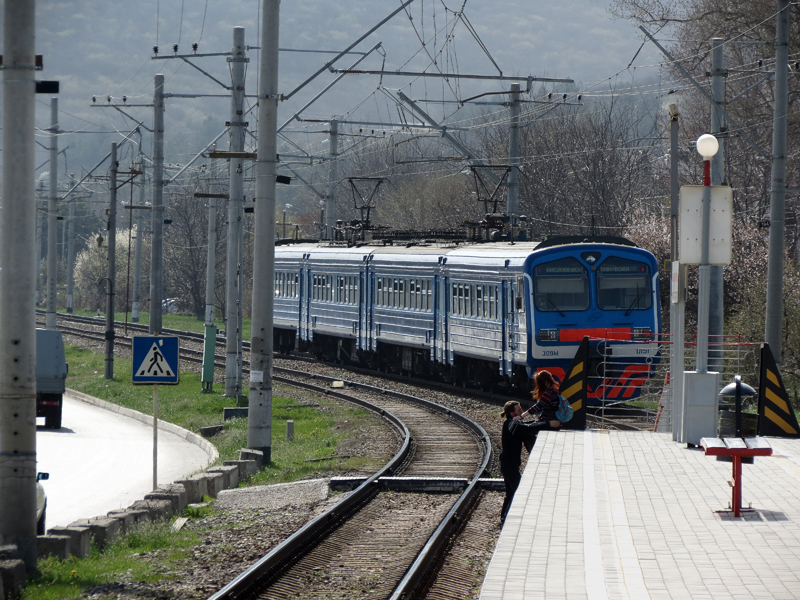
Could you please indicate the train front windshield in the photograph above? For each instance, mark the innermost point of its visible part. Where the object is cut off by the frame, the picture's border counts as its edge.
(561, 285)
(623, 285)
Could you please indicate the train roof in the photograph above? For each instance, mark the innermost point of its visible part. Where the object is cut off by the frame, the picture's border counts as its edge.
(491, 251)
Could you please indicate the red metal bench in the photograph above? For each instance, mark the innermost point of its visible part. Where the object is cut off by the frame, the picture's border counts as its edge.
(736, 448)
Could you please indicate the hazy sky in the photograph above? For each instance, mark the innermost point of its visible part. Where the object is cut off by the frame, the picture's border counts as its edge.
(104, 48)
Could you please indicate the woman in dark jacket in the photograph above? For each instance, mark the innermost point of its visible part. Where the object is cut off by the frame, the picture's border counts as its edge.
(515, 432)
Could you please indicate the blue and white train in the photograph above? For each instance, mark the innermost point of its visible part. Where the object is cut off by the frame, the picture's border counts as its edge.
(484, 315)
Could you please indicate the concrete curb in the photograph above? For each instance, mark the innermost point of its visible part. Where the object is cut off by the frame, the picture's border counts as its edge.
(189, 436)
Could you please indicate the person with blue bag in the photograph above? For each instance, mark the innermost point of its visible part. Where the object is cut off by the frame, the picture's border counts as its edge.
(550, 405)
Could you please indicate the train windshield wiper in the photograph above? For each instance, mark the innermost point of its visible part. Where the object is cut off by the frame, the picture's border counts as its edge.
(634, 303)
(558, 310)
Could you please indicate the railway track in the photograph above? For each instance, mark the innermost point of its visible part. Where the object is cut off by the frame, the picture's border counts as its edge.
(384, 538)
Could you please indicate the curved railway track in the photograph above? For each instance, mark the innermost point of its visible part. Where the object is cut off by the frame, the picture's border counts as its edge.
(376, 542)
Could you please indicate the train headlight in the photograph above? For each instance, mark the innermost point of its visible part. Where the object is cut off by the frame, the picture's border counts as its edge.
(548, 335)
(642, 334)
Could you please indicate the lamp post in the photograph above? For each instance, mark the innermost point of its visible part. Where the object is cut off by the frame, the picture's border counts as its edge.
(707, 146)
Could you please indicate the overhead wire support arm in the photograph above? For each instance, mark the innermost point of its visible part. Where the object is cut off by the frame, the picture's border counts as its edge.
(116, 107)
(206, 73)
(330, 63)
(196, 156)
(326, 88)
(529, 79)
(310, 185)
(458, 145)
(104, 159)
(708, 96)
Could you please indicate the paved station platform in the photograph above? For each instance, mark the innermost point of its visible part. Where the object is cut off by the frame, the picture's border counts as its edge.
(631, 515)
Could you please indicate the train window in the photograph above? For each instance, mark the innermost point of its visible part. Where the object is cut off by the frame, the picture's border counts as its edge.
(468, 301)
(493, 297)
(623, 284)
(561, 285)
(428, 294)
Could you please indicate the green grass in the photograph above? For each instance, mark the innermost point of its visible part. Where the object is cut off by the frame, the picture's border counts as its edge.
(121, 562)
(185, 405)
(171, 321)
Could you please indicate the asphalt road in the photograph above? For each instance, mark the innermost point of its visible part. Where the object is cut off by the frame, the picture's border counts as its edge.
(99, 461)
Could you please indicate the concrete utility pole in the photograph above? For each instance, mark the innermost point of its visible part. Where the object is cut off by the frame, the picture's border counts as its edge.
(211, 329)
(716, 307)
(259, 420)
(677, 305)
(137, 249)
(71, 249)
(112, 264)
(39, 234)
(233, 291)
(17, 310)
(52, 220)
(330, 201)
(157, 229)
(777, 209)
(513, 158)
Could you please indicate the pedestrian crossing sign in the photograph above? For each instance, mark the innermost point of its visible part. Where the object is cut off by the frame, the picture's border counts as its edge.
(155, 360)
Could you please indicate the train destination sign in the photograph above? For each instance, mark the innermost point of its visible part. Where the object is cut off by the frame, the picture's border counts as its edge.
(155, 360)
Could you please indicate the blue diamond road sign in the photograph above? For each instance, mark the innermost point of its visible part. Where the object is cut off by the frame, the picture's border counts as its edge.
(155, 360)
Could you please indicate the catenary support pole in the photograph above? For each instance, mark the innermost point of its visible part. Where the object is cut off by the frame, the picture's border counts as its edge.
(136, 303)
(259, 421)
(210, 338)
(71, 249)
(330, 201)
(39, 235)
(677, 306)
(716, 303)
(52, 220)
(233, 292)
(157, 210)
(777, 209)
(513, 158)
(17, 310)
(112, 264)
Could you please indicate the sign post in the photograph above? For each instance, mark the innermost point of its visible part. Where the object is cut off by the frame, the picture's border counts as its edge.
(155, 361)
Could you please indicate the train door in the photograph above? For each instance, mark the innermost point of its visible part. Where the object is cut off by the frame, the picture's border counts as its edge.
(305, 299)
(364, 305)
(442, 307)
(508, 317)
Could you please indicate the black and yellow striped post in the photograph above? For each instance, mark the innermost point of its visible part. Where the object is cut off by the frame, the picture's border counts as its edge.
(574, 386)
(775, 413)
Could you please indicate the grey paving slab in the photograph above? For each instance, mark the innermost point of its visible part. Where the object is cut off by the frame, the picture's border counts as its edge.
(631, 515)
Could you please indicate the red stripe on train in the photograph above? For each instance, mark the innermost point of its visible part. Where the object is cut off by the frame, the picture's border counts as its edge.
(576, 335)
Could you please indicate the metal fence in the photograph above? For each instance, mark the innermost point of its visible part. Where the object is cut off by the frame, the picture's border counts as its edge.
(643, 392)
